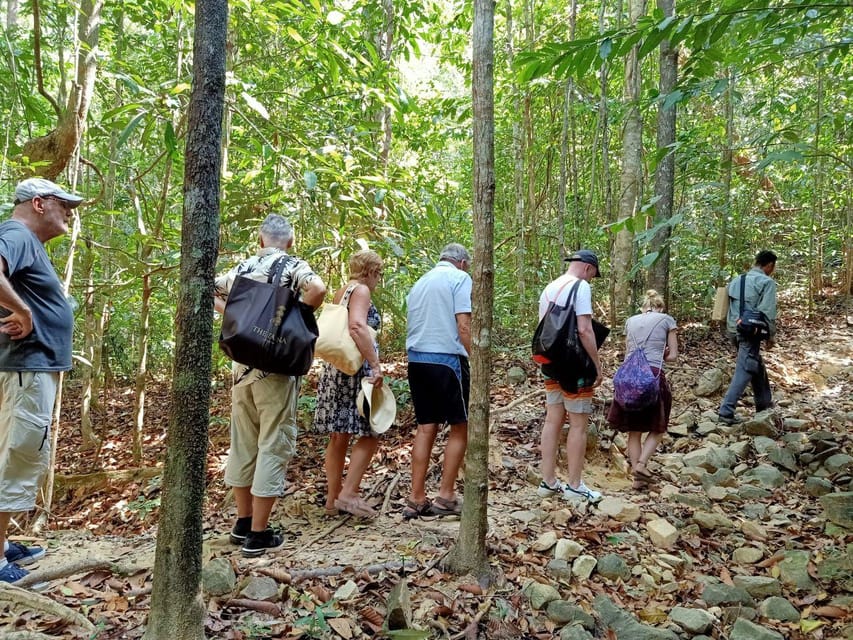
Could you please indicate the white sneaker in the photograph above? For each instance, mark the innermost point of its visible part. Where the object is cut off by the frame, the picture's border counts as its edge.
(546, 491)
(582, 492)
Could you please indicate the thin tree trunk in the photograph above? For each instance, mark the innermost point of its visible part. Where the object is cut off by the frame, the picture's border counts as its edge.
(386, 49)
(727, 181)
(631, 177)
(665, 172)
(91, 336)
(11, 13)
(517, 162)
(469, 553)
(816, 226)
(177, 609)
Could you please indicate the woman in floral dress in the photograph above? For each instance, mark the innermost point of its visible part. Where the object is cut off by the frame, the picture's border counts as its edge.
(336, 412)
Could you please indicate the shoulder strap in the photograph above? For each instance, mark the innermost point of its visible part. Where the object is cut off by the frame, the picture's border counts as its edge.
(345, 298)
(742, 291)
(560, 290)
(648, 336)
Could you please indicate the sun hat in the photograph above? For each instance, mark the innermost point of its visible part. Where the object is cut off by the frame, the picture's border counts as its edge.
(379, 405)
(40, 188)
(586, 256)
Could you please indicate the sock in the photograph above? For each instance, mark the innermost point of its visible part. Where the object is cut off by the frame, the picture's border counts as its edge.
(3, 563)
(5, 546)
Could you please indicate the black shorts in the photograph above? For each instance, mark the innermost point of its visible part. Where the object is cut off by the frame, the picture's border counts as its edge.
(438, 394)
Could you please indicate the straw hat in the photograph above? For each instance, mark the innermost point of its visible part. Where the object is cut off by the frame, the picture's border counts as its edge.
(381, 406)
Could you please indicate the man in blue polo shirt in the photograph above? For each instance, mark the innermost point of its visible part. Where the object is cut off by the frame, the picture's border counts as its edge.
(36, 321)
(437, 345)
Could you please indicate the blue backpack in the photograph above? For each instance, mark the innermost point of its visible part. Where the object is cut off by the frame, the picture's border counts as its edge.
(635, 386)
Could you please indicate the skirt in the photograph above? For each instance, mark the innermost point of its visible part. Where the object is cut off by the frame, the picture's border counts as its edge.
(654, 419)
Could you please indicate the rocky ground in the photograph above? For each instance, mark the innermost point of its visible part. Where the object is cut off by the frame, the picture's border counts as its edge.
(746, 535)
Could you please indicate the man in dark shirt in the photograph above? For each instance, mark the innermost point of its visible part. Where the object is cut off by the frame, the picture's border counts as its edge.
(36, 321)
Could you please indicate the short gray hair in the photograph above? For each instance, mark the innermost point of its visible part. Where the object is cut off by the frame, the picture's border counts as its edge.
(277, 230)
(455, 252)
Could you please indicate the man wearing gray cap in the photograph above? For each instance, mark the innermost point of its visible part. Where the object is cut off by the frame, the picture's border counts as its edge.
(35, 346)
(577, 402)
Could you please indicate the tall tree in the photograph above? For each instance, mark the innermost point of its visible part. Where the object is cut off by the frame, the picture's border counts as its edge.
(665, 170)
(469, 553)
(177, 610)
(631, 178)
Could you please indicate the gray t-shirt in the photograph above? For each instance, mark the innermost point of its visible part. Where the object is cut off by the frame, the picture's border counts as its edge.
(48, 347)
(648, 330)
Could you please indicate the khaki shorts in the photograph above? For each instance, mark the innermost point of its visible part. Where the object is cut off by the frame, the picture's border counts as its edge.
(263, 434)
(26, 411)
(580, 402)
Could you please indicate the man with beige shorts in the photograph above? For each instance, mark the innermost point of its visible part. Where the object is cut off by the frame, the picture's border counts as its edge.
(263, 404)
(36, 321)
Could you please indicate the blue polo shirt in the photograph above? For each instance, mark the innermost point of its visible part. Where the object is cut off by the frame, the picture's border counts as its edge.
(433, 303)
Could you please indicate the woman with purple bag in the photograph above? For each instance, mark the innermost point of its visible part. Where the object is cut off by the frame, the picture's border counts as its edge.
(654, 332)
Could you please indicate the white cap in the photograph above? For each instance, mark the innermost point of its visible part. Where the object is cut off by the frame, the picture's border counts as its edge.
(39, 187)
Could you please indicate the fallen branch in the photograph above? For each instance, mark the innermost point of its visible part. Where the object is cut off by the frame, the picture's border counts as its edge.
(496, 412)
(87, 565)
(31, 600)
(24, 635)
(103, 477)
(261, 606)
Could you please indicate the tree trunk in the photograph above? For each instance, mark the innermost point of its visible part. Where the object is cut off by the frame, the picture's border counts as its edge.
(469, 552)
(57, 148)
(727, 181)
(141, 369)
(11, 13)
(630, 181)
(517, 162)
(177, 610)
(91, 336)
(816, 230)
(665, 172)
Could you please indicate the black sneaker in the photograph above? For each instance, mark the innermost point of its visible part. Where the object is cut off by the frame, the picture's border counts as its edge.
(730, 420)
(240, 530)
(257, 542)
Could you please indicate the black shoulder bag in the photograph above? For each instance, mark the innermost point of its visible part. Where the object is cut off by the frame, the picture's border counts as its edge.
(752, 324)
(557, 347)
(266, 327)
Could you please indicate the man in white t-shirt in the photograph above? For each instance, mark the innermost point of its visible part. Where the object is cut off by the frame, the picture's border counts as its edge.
(583, 266)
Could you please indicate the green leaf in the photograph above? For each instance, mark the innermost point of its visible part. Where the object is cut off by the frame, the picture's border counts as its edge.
(605, 48)
(673, 98)
(128, 130)
(171, 140)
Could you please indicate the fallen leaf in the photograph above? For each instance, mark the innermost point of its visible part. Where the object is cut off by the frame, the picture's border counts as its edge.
(471, 588)
(341, 626)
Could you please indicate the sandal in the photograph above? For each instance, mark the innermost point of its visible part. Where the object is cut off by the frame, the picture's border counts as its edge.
(414, 510)
(356, 507)
(643, 474)
(443, 507)
(640, 485)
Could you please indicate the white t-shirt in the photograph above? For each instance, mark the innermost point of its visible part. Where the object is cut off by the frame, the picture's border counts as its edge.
(558, 291)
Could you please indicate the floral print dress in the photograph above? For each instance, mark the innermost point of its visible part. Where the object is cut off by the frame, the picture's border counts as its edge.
(336, 394)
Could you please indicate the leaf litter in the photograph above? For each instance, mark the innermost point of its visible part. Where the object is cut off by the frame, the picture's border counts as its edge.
(115, 520)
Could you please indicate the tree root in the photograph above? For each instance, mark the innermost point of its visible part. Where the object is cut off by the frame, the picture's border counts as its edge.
(101, 478)
(260, 606)
(388, 492)
(24, 635)
(86, 565)
(471, 629)
(16, 596)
